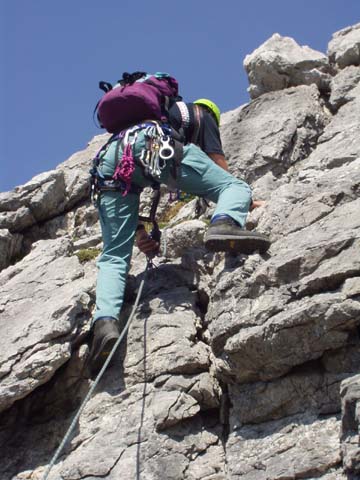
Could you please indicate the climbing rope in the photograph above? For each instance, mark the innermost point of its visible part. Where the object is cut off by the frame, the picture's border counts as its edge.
(99, 376)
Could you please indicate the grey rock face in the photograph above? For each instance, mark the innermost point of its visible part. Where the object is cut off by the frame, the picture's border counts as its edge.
(338, 144)
(281, 63)
(297, 116)
(41, 201)
(182, 236)
(44, 300)
(343, 86)
(40, 198)
(234, 367)
(294, 447)
(350, 397)
(344, 48)
(10, 247)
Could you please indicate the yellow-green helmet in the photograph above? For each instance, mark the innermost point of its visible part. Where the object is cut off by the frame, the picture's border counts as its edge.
(211, 106)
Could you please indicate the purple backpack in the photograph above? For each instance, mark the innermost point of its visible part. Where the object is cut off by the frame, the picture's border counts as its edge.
(137, 97)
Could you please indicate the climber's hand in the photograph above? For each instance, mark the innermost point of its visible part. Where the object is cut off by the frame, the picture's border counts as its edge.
(145, 243)
(256, 204)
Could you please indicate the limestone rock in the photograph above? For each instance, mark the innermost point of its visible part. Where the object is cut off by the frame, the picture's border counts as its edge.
(171, 407)
(44, 301)
(10, 247)
(39, 199)
(121, 423)
(294, 447)
(181, 237)
(203, 387)
(344, 48)
(252, 148)
(161, 343)
(306, 390)
(338, 144)
(17, 220)
(281, 63)
(76, 172)
(350, 434)
(343, 86)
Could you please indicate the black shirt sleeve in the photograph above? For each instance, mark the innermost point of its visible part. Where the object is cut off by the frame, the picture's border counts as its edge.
(209, 135)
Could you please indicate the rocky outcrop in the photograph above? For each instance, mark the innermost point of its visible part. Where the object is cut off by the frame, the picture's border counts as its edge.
(344, 48)
(45, 206)
(344, 87)
(350, 398)
(44, 304)
(234, 367)
(255, 153)
(281, 63)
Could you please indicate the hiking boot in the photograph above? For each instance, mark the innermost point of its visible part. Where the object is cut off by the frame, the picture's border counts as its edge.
(225, 235)
(105, 334)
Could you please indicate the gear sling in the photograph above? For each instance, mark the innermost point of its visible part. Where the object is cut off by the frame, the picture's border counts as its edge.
(162, 146)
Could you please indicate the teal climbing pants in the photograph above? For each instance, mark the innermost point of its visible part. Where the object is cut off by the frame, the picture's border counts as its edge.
(197, 175)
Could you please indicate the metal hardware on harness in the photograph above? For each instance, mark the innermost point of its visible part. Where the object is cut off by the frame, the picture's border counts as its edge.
(158, 150)
(131, 132)
(166, 150)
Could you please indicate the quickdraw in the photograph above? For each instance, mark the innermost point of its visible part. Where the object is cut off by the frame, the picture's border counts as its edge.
(153, 158)
(157, 152)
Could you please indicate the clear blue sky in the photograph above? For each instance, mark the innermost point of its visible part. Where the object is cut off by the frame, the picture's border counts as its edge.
(53, 53)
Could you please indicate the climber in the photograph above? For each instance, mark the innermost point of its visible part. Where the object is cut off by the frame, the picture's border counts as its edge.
(199, 123)
(132, 160)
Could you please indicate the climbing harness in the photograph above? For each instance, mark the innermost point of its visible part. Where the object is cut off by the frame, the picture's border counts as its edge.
(161, 146)
(99, 376)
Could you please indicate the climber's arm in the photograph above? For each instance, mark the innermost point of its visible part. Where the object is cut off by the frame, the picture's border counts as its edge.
(219, 160)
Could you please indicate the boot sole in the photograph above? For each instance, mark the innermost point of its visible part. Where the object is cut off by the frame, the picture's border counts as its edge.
(244, 244)
(98, 360)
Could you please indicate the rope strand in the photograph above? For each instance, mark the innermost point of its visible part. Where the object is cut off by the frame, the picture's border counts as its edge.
(98, 378)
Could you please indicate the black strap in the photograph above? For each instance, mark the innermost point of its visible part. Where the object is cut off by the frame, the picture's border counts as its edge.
(155, 201)
(177, 158)
(197, 121)
(110, 185)
(155, 232)
(130, 78)
(105, 86)
(98, 125)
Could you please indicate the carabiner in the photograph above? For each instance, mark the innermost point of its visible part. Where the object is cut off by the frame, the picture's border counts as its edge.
(166, 150)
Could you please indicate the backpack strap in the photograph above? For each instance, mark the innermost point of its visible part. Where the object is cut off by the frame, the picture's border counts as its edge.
(197, 122)
(186, 122)
(185, 114)
(105, 86)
